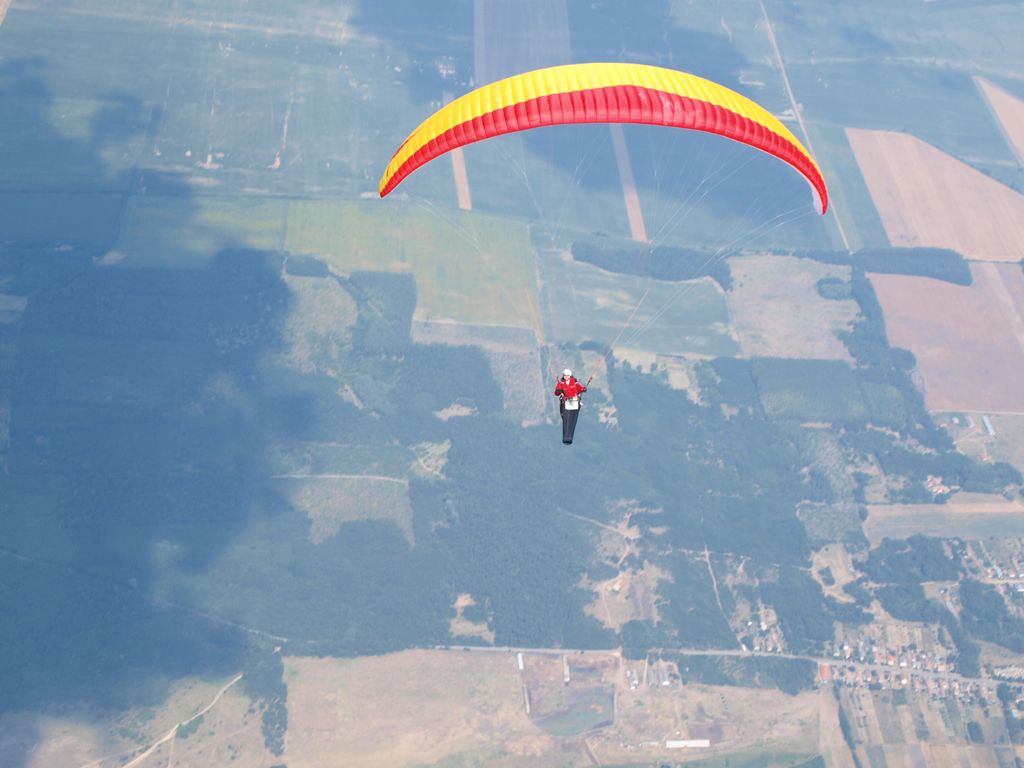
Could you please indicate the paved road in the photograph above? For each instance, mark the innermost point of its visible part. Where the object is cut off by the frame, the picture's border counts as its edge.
(948, 676)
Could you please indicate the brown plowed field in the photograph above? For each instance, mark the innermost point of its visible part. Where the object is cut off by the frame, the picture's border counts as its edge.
(1009, 111)
(928, 198)
(969, 341)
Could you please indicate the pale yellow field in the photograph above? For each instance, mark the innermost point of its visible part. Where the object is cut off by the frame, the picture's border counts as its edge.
(968, 341)
(229, 734)
(928, 198)
(837, 560)
(1009, 110)
(831, 744)
(735, 719)
(777, 311)
(405, 709)
(422, 707)
(969, 520)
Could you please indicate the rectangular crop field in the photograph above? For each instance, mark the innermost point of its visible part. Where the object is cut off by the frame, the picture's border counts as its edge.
(969, 341)
(588, 303)
(929, 198)
(965, 520)
(469, 267)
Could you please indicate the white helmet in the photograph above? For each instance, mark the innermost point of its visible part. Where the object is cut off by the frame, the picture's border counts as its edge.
(567, 372)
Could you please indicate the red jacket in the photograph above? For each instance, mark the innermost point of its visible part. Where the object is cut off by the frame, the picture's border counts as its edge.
(570, 388)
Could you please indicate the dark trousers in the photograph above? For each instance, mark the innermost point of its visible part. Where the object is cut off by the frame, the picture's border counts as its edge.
(568, 423)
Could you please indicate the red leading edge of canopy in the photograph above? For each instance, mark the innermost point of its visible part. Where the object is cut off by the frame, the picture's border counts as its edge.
(615, 104)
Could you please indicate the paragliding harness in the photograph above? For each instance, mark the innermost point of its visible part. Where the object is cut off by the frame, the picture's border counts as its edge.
(569, 410)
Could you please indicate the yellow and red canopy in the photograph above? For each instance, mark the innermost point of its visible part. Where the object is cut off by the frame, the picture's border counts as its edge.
(601, 93)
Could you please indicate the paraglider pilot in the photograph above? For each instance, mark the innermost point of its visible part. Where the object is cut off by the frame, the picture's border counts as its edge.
(568, 391)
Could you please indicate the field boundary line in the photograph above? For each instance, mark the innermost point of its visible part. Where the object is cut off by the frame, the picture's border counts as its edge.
(796, 109)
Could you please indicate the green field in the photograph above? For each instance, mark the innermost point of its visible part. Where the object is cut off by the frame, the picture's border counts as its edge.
(588, 303)
(468, 267)
(578, 711)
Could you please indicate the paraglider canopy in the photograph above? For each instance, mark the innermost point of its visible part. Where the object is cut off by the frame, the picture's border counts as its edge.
(601, 93)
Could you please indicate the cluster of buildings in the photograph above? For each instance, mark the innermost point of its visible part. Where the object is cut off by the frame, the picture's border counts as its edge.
(656, 674)
(1001, 562)
(932, 685)
(763, 637)
(937, 487)
(865, 650)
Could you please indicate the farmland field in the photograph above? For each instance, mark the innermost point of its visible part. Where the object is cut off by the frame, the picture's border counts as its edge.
(1009, 111)
(778, 312)
(998, 518)
(436, 707)
(929, 198)
(968, 341)
(672, 318)
(468, 267)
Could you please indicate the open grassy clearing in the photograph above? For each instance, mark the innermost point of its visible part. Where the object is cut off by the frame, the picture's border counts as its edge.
(461, 626)
(588, 303)
(454, 707)
(631, 595)
(836, 560)
(778, 312)
(405, 709)
(929, 198)
(109, 739)
(330, 502)
(736, 720)
(1006, 445)
(318, 326)
(968, 341)
(288, 457)
(229, 734)
(974, 520)
(515, 360)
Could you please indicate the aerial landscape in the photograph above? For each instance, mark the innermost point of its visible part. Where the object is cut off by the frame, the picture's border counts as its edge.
(283, 479)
